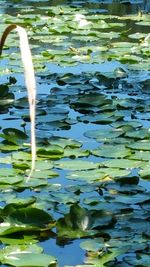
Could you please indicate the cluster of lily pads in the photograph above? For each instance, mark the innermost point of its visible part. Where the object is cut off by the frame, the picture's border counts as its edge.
(69, 35)
(91, 181)
(103, 199)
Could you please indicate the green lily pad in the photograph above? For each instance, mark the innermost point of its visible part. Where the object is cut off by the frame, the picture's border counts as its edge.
(145, 173)
(14, 136)
(30, 216)
(51, 152)
(115, 172)
(137, 35)
(106, 118)
(10, 180)
(8, 147)
(65, 142)
(103, 134)
(142, 260)
(134, 124)
(89, 175)
(132, 199)
(106, 257)
(108, 151)
(139, 134)
(75, 152)
(43, 174)
(76, 165)
(121, 163)
(64, 198)
(9, 176)
(92, 99)
(143, 145)
(19, 241)
(140, 155)
(93, 244)
(25, 219)
(25, 256)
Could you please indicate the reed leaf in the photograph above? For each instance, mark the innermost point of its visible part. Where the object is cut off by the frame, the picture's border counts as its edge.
(29, 80)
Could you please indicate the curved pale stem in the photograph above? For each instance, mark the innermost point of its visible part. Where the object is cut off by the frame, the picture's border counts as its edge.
(29, 80)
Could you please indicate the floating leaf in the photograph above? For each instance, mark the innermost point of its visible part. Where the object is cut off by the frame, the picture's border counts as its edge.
(75, 152)
(143, 260)
(143, 145)
(145, 173)
(51, 151)
(25, 256)
(139, 134)
(121, 163)
(25, 219)
(103, 134)
(76, 165)
(93, 244)
(140, 155)
(13, 135)
(108, 151)
(115, 172)
(89, 175)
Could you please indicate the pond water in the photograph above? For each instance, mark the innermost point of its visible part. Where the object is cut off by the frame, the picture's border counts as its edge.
(92, 69)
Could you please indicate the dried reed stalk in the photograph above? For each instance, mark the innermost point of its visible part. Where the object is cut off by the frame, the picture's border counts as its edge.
(29, 80)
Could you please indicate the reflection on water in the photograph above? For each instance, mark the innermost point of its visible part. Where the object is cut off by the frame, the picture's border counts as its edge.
(70, 254)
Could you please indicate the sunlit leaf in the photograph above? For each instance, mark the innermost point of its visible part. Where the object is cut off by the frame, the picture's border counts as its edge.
(26, 256)
(76, 165)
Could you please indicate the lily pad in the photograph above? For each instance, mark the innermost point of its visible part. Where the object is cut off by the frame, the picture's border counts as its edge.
(25, 219)
(103, 134)
(108, 151)
(93, 244)
(25, 256)
(76, 165)
(14, 136)
(143, 145)
(89, 175)
(51, 152)
(121, 163)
